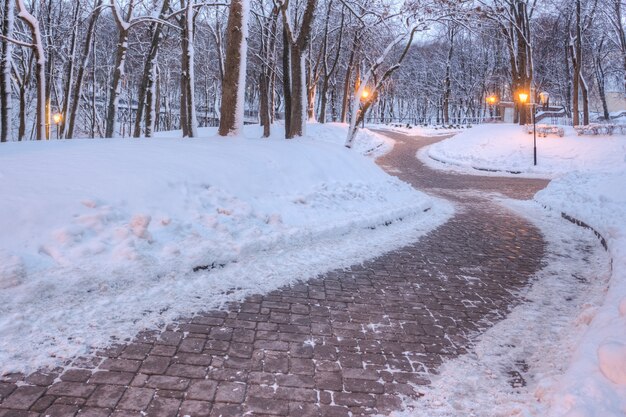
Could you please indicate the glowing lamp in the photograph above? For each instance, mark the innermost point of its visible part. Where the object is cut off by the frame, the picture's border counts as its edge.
(523, 98)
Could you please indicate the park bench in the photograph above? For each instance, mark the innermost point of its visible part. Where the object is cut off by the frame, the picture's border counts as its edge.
(600, 129)
(545, 130)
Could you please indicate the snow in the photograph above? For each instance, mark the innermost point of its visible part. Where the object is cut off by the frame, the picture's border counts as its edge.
(100, 238)
(595, 382)
(507, 147)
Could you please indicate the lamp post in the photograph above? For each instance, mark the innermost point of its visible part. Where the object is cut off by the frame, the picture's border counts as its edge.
(57, 118)
(364, 95)
(491, 101)
(523, 98)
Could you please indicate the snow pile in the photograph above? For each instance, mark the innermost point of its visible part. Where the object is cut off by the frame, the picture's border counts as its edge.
(507, 147)
(102, 238)
(595, 383)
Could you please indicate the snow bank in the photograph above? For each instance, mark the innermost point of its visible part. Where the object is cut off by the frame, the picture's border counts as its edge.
(595, 383)
(101, 238)
(507, 147)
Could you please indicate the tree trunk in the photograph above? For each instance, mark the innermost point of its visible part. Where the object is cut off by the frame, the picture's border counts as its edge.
(233, 89)
(298, 93)
(585, 96)
(112, 124)
(287, 80)
(6, 102)
(189, 123)
(324, 100)
(346, 83)
(75, 99)
(69, 74)
(40, 67)
(264, 112)
(21, 132)
(147, 80)
(447, 90)
(152, 102)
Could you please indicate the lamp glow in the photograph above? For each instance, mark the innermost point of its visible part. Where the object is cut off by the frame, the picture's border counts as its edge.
(523, 98)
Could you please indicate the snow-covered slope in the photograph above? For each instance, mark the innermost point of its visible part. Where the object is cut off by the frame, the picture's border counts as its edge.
(100, 238)
(507, 147)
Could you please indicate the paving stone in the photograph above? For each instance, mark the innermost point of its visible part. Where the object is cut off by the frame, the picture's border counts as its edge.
(203, 390)
(61, 410)
(23, 397)
(167, 382)
(123, 365)
(189, 371)
(230, 392)
(163, 407)
(106, 396)
(43, 403)
(6, 389)
(76, 375)
(195, 408)
(41, 378)
(136, 399)
(94, 412)
(18, 413)
(112, 378)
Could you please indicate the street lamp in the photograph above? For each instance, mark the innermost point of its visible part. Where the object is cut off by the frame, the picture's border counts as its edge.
(544, 99)
(364, 95)
(57, 118)
(491, 101)
(523, 98)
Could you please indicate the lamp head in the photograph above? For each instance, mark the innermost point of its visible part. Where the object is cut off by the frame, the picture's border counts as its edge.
(523, 98)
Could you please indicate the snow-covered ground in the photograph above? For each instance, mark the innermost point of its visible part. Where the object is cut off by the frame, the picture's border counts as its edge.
(572, 336)
(507, 147)
(595, 382)
(100, 238)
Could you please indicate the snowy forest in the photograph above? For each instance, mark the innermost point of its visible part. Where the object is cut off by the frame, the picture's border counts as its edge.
(130, 68)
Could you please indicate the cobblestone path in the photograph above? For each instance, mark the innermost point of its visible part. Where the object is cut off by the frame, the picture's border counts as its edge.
(347, 342)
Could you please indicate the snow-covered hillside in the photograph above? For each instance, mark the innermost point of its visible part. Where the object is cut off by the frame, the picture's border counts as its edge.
(101, 238)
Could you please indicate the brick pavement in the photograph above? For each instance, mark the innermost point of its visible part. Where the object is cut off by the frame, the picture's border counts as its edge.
(346, 343)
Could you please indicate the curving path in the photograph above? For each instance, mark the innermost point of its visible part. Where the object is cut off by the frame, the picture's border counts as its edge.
(347, 342)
